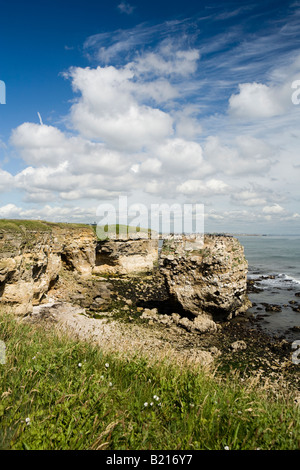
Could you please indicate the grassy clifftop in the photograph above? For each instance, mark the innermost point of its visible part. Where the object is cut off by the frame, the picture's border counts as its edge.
(18, 225)
(113, 230)
(22, 225)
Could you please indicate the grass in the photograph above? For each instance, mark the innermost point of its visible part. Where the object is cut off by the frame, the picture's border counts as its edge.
(12, 225)
(19, 225)
(58, 393)
(107, 231)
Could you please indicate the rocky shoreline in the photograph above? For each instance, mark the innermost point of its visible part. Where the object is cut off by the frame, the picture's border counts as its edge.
(263, 310)
(132, 313)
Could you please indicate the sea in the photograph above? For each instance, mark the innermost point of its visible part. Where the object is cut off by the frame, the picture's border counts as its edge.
(274, 268)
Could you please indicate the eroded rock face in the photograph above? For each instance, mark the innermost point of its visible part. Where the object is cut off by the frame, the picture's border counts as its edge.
(78, 249)
(210, 281)
(126, 256)
(30, 262)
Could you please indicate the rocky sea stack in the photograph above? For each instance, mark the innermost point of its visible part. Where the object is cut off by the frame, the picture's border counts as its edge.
(210, 281)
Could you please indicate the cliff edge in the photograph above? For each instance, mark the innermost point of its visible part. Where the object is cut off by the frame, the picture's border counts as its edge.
(208, 282)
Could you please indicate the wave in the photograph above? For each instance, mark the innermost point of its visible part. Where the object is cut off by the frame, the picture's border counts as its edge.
(286, 277)
(280, 280)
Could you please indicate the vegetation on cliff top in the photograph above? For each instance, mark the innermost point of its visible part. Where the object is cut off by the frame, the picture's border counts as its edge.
(22, 225)
(109, 230)
(58, 393)
(19, 225)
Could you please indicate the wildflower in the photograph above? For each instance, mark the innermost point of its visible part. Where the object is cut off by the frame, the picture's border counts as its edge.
(145, 404)
(102, 377)
(192, 405)
(27, 420)
(106, 365)
(79, 365)
(151, 404)
(110, 384)
(155, 397)
(226, 448)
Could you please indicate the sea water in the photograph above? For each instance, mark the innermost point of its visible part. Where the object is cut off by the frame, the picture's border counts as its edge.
(274, 265)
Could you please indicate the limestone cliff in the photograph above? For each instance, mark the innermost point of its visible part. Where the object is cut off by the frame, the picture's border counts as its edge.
(33, 254)
(208, 282)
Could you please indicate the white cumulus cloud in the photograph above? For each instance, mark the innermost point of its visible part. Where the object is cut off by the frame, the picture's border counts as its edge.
(275, 209)
(208, 188)
(108, 111)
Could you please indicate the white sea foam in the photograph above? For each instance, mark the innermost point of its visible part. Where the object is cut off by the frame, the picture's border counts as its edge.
(285, 277)
(280, 280)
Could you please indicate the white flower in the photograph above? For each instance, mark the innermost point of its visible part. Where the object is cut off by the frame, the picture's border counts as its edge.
(106, 365)
(159, 404)
(155, 397)
(192, 405)
(145, 404)
(151, 404)
(79, 365)
(110, 384)
(27, 420)
(226, 448)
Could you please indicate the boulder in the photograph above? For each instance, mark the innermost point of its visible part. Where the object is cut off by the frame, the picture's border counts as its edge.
(273, 308)
(238, 345)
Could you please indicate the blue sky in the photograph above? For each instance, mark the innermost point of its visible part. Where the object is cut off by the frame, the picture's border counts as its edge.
(174, 102)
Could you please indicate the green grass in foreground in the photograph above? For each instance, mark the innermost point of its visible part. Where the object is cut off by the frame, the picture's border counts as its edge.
(57, 393)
